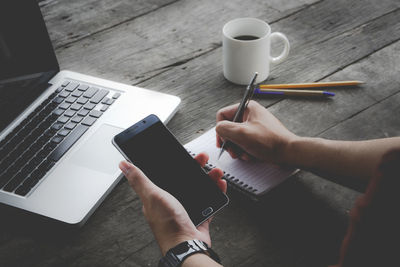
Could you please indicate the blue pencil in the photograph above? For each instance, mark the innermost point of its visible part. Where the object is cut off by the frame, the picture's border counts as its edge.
(292, 92)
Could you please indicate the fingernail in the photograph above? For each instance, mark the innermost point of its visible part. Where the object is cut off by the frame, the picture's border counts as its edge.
(125, 167)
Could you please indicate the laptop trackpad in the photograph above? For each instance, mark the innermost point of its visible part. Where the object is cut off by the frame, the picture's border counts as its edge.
(98, 153)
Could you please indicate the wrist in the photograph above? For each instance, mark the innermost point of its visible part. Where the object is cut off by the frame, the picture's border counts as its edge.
(290, 151)
(172, 242)
(199, 259)
(302, 152)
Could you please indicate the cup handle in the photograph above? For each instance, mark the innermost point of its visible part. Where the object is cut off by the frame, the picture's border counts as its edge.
(285, 52)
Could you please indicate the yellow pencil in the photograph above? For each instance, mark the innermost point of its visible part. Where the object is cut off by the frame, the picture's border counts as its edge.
(310, 85)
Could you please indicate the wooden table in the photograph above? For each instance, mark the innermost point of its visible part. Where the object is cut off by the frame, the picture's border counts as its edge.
(174, 46)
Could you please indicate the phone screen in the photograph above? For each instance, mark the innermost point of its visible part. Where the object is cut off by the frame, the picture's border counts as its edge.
(153, 148)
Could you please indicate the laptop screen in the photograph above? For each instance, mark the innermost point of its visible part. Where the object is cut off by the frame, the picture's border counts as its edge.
(27, 59)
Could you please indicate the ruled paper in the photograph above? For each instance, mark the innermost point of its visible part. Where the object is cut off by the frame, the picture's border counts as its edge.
(254, 177)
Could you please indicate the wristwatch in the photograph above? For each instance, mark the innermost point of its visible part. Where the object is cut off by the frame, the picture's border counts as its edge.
(176, 255)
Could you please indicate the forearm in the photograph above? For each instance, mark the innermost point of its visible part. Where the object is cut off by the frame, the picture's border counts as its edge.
(351, 163)
(199, 260)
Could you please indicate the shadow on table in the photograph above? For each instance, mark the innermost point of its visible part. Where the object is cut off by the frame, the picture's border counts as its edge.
(305, 229)
(15, 222)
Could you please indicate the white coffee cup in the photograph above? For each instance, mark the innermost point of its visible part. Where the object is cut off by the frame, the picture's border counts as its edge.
(246, 49)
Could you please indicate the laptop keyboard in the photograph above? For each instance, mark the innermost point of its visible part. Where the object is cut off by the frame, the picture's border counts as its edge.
(39, 141)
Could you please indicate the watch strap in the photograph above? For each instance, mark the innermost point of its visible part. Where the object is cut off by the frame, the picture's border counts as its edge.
(176, 255)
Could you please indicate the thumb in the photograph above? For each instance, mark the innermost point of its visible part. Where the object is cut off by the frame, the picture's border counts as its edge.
(232, 131)
(137, 179)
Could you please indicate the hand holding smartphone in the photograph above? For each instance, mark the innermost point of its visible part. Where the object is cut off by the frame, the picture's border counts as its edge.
(152, 147)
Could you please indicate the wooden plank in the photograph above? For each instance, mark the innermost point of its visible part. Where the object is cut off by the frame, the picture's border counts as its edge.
(76, 20)
(380, 120)
(379, 71)
(141, 48)
(300, 115)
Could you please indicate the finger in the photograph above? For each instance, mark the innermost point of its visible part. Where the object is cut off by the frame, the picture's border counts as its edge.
(245, 157)
(227, 113)
(136, 178)
(222, 185)
(216, 174)
(232, 153)
(232, 131)
(202, 159)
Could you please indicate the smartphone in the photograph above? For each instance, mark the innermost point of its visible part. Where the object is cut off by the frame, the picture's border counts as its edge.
(154, 149)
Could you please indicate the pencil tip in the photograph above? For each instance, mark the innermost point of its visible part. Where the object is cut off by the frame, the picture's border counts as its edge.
(220, 153)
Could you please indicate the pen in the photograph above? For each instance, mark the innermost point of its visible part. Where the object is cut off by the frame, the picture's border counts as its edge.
(309, 85)
(248, 94)
(292, 92)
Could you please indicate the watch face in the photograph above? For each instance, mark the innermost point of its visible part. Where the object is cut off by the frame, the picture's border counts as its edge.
(185, 249)
(182, 247)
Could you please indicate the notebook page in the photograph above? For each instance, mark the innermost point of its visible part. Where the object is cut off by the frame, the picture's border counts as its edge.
(255, 177)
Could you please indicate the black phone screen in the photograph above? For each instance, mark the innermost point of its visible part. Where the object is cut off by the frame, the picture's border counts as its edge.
(154, 149)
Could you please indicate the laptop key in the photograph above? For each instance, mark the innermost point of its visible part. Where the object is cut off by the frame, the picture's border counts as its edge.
(71, 86)
(89, 106)
(77, 93)
(57, 126)
(76, 106)
(110, 101)
(5, 177)
(77, 119)
(90, 92)
(65, 83)
(89, 121)
(14, 182)
(58, 112)
(22, 190)
(69, 113)
(71, 99)
(57, 139)
(99, 96)
(68, 142)
(30, 182)
(104, 108)
(46, 165)
(64, 94)
(58, 100)
(49, 147)
(63, 119)
(105, 100)
(64, 105)
(83, 112)
(83, 87)
(82, 100)
(95, 113)
(116, 95)
(70, 126)
(59, 89)
(63, 132)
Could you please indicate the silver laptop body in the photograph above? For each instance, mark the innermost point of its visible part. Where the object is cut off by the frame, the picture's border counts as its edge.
(78, 182)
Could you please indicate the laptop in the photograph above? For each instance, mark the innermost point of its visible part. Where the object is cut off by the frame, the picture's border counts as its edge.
(56, 127)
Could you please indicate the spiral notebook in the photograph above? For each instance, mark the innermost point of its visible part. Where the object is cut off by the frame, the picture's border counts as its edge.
(253, 178)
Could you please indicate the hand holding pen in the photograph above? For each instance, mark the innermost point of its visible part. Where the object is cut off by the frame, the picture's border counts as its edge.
(248, 94)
